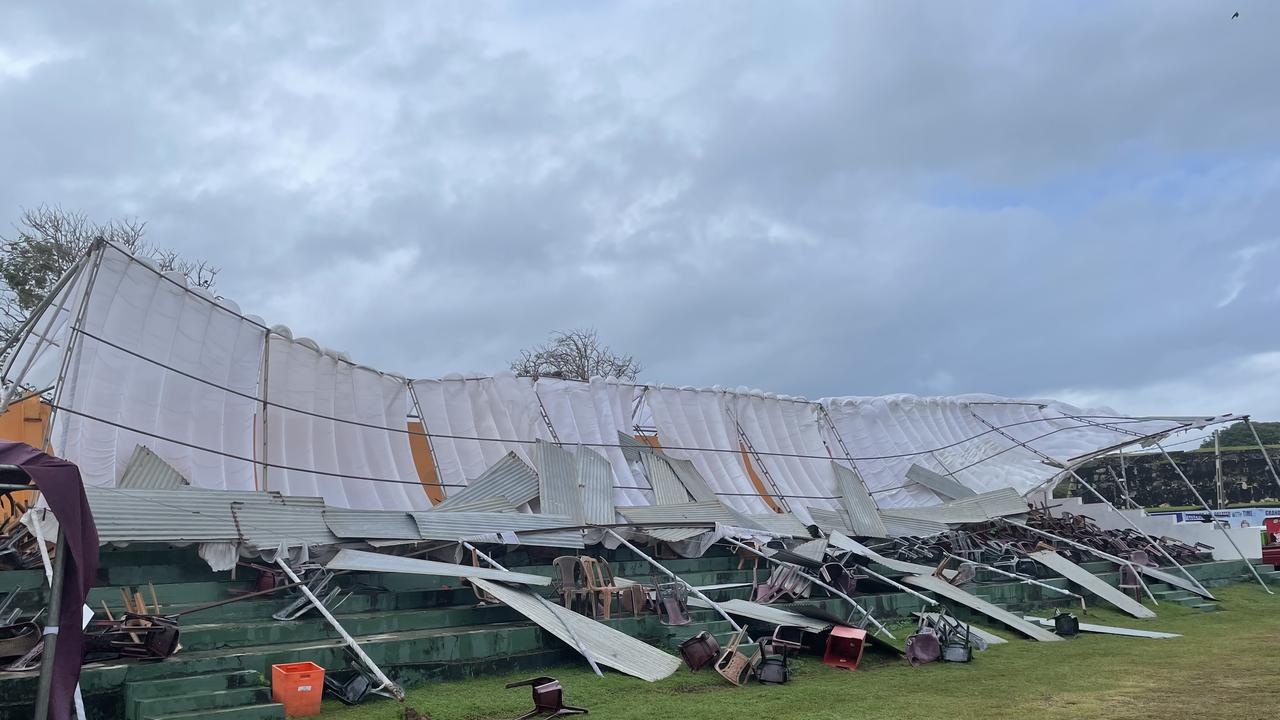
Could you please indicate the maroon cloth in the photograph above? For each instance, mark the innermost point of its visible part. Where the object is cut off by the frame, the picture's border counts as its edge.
(60, 483)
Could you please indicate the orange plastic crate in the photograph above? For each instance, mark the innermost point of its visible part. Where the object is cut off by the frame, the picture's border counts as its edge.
(299, 687)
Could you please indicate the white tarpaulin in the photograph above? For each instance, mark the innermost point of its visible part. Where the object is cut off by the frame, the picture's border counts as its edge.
(595, 412)
(156, 316)
(941, 434)
(500, 407)
(362, 466)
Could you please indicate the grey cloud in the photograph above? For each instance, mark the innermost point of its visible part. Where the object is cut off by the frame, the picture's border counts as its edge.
(822, 199)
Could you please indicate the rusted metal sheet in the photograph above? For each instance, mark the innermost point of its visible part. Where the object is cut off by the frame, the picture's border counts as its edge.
(1091, 582)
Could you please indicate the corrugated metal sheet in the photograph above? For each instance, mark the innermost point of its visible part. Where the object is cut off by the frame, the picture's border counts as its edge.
(264, 525)
(632, 449)
(973, 509)
(784, 524)
(187, 514)
(815, 549)
(692, 480)
(863, 516)
(557, 538)
(557, 481)
(146, 470)
(455, 526)
(371, 524)
(699, 512)
(940, 484)
(609, 647)
(974, 630)
(911, 527)
(667, 488)
(829, 520)
(1108, 629)
(361, 560)
(496, 504)
(942, 588)
(767, 614)
(846, 543)
(510, 477)
(675, 534)
(1090, 582)
(595, 487)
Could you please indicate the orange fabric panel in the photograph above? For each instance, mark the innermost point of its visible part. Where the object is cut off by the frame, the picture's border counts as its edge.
(756, 481)
(650, 440)
(25, 421)
(420, 446)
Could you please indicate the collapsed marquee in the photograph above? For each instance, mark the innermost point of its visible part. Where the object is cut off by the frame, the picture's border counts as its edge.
(128, 355)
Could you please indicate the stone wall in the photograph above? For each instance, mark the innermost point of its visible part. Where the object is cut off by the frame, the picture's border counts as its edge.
(1153, 482)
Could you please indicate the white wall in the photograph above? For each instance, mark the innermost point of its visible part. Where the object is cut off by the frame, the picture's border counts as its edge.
(1249, 540)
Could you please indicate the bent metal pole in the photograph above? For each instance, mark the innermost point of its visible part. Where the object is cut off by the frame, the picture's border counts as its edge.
(387, 684)
(1225, 531)
(714, 605)
(799, 570)
(1128, 521)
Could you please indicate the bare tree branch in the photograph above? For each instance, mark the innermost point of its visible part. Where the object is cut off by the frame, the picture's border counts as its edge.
(49, 240)
(575, 355)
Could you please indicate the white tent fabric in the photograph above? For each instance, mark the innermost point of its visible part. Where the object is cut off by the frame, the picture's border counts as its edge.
(962, 447)
(503, 406)
(365, 466)
(155, 315)
(693, 418)
(39, 358)
(369, 464)
(595, 412)
(787, 433)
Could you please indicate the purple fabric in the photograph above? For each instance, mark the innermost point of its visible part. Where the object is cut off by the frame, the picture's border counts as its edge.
(59, 482)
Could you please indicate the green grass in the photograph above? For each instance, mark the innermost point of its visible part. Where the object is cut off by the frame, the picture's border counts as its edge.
(1223, 667)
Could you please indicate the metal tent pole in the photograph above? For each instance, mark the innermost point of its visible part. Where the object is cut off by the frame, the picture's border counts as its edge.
(1021, 577)
(387, 684)
(1057, 463)
(1137, 569)
(582, 647)
(1225, 531)
(714, 605)
(817, 582)
(1263, 448)
(51, 629)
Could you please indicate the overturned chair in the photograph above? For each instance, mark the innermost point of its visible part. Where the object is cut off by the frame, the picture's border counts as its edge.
(548, 699)
(148, 637)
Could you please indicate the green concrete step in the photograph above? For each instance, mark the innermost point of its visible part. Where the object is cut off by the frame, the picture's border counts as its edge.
(205, 682)
(265, 711)
(1205, 607)
(202, 701)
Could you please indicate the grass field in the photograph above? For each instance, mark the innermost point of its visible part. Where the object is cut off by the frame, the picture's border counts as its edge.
(1223, 667)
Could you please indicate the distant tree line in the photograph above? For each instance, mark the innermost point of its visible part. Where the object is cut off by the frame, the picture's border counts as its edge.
(1238, 435)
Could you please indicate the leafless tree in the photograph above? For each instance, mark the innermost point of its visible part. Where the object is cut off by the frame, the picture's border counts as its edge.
(575, 355)
(49, 240)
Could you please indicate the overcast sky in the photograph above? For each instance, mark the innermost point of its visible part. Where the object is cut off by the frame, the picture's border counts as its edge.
(1071, 200)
